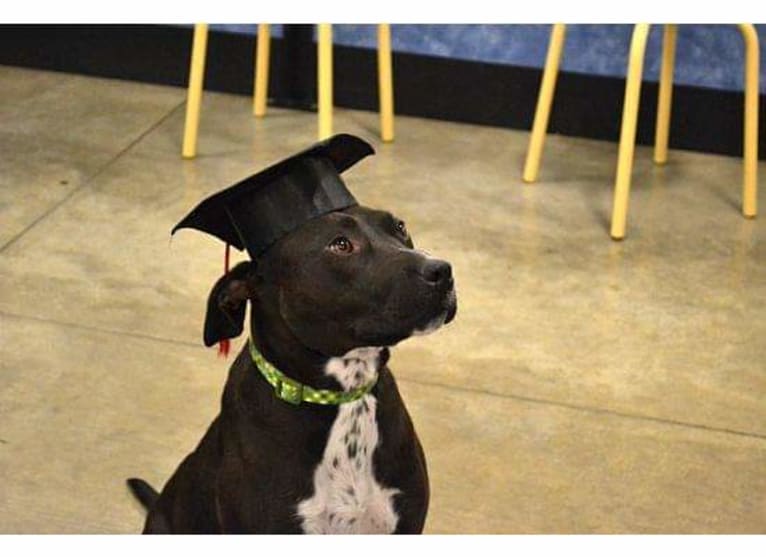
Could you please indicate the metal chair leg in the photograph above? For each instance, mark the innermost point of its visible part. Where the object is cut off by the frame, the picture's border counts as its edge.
(324, 80)
(261, 83)
(385, 83)
(544, 100)
(664, 100)
(628, 132)
(750, 181)
(194, 99)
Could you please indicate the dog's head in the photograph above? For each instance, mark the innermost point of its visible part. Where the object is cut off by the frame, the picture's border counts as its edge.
(344, 280)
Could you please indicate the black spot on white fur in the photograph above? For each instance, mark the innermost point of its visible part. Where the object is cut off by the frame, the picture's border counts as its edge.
(347, 497)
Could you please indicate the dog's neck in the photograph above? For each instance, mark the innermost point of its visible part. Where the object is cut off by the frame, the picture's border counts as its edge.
(357, 367)
(279, 345)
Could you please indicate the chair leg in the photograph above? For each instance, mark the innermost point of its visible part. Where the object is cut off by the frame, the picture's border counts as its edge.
(385, 83)
(324, 80)
(628, 132)
(261, 84)
(664, 100)
(750, 182)
(196, 79)
(544, 100)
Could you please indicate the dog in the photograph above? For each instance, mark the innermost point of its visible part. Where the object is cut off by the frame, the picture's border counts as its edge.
(328, 301)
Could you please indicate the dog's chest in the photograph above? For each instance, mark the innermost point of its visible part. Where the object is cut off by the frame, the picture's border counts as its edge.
(347, 499)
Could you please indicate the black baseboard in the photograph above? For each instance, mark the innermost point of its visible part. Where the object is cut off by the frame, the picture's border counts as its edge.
(589, 106)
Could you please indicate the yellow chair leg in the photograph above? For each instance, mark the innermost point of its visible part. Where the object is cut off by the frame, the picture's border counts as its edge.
(544, 100)
(196, 79)
(324, 80)
(628, 132)
(385, 83)
(664, 100)
(750, 182)
(261, 83)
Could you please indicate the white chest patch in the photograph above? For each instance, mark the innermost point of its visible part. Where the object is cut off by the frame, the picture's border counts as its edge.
(347, 499)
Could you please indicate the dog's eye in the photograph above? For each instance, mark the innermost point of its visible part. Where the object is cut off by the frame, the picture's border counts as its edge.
(342, 245)
(401, 228)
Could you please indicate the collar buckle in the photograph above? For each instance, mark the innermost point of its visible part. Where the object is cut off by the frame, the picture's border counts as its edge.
(289, 390)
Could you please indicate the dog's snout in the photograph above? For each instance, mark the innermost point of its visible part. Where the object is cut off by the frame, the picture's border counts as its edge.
(437, 272)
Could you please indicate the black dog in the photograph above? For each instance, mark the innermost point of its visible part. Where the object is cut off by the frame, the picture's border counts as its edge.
(327, 302)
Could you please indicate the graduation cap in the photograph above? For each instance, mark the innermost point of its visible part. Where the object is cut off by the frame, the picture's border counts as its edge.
(259, 210)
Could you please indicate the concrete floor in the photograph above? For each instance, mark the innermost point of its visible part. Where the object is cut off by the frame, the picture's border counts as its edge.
(586, 385)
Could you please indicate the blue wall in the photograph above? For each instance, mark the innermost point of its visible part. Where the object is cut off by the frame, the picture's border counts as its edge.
(707, 55)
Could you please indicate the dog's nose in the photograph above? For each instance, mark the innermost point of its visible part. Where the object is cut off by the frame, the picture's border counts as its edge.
(437, 272)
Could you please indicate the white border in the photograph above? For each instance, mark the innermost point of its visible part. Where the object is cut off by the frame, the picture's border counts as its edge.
(393, 11)
(372, 546)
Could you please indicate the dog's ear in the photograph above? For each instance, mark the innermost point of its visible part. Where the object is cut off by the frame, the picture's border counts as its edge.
(226, 305)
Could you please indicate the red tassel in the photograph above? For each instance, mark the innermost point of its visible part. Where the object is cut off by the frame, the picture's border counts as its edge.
(225, 345)
(223, 348)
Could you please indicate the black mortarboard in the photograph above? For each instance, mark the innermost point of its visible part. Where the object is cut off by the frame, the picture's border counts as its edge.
(257, 211)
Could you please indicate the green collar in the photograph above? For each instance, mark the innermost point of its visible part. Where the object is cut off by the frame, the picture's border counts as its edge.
(294, 392)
